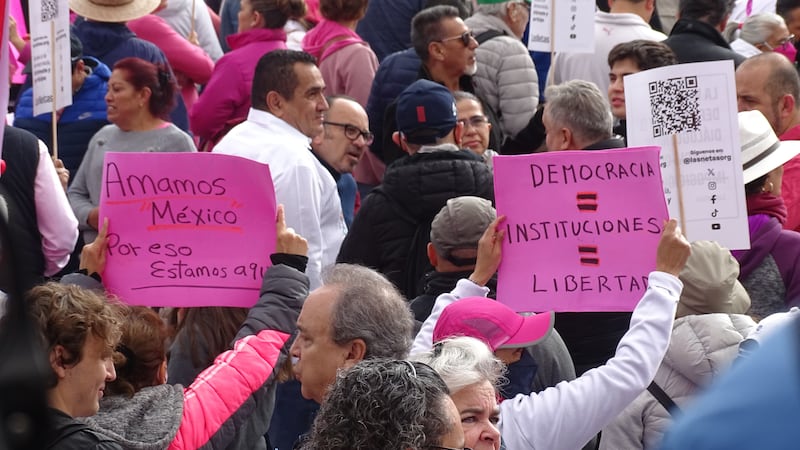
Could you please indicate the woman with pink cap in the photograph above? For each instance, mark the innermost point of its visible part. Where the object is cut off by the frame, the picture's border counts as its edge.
(568, 415)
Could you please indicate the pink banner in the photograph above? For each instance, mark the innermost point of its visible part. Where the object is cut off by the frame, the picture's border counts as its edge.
(187, 229)
(582, 228)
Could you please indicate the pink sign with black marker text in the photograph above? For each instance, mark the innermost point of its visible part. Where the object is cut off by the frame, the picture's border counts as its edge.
(187, 229)
(582, 228)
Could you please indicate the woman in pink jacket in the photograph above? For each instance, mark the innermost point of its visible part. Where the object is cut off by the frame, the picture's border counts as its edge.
(226, 98)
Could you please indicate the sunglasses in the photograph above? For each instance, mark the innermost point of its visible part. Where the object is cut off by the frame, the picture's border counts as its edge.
(466, 38)
(352, 132)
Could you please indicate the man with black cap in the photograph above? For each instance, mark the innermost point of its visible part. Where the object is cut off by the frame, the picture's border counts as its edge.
(391, 230)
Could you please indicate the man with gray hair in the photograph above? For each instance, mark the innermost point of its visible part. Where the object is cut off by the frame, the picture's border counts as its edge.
(356, 314)
(577, 116)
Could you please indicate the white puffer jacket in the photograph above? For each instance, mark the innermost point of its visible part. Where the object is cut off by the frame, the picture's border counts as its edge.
(701, 347)
(506, 77)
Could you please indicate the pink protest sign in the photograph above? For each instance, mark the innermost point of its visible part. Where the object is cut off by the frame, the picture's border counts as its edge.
(582, 228)
(187, 229)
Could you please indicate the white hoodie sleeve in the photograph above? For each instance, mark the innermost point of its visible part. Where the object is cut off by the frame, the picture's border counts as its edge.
(567, 415)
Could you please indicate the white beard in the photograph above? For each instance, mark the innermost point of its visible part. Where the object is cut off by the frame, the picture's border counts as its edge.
(471, 69)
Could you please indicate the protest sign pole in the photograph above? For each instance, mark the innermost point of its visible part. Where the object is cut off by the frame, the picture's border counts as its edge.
(552, 29)
(54, 67)
(192, 18)
(681, 209)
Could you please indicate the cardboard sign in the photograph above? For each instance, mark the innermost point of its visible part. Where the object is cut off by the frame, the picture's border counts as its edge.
(562, 26)
(690, 111)
(50, 55)
(187, 229)
(582, 228)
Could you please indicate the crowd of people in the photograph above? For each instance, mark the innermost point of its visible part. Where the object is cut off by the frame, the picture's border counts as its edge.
(378, 324)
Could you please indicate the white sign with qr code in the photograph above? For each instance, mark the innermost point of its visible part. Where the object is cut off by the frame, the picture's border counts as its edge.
(50, 26)
(690, 111)
(562, 26)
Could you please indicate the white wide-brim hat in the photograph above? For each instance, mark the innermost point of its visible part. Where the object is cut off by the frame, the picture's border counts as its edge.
(762, 151)
(115, 11)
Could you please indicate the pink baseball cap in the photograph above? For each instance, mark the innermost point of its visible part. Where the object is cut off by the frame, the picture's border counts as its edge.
(492, 322)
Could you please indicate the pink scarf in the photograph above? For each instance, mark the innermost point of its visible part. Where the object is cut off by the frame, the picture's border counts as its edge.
(328, 37)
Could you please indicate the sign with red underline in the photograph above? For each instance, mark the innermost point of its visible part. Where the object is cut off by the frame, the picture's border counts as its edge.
(187, 229)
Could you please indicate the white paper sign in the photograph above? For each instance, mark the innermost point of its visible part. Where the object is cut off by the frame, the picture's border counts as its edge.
(562, 26)
(690, 109)
(50, 24)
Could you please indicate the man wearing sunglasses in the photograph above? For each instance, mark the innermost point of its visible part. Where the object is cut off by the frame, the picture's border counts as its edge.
(444, 52)
(344, 139)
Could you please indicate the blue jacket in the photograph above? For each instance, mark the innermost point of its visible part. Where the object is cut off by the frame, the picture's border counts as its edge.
(79, 121)
(386, 25)
(394, 74)
(110, 42)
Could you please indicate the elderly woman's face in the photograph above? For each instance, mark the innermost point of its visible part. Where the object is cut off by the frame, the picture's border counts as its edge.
(477, 407)
(123, 100)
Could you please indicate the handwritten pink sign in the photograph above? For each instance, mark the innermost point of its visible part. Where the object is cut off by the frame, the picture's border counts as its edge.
(187, 229)
(582, 228)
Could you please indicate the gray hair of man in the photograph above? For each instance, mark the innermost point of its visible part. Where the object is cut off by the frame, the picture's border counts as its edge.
(370, 308)
(462, 362)
(580, 107)
(759, 27)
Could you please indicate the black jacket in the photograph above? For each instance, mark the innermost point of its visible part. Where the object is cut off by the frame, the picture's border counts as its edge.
(438, 283)
(414, 189)
(696, 41)
(21, 154)
(67, 433)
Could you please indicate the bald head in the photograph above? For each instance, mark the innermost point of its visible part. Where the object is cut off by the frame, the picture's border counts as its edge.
(769, 83)
(344, 119)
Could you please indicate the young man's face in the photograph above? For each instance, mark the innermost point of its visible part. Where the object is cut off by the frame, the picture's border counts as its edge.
(80, 387)
(616, 89)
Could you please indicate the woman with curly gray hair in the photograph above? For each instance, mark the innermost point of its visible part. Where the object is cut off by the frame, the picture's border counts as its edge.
(387, 404)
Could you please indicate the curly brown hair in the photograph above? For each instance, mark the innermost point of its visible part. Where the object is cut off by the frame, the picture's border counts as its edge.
(141, 352)
(66, 314)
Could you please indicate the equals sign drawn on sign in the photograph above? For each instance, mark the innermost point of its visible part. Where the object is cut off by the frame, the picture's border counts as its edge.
(587, 201)
(589, 255)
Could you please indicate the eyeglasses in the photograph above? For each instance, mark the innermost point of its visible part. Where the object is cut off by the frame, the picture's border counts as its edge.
(352, 132)
(436, 447)
(787, 40)
(474, 121)
(466, 38)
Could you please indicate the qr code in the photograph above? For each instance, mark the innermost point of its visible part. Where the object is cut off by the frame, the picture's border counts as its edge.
(675, 104)
(49, 10)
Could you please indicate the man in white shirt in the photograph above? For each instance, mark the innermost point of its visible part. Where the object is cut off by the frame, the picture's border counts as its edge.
(288, 107)
(628, 20)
